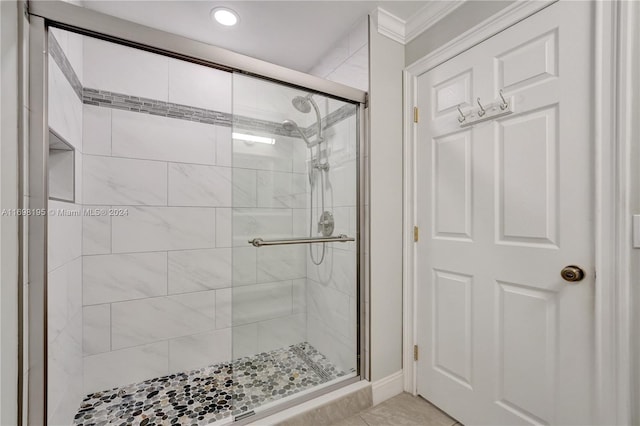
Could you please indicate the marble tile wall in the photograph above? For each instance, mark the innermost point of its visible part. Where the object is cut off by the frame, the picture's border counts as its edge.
(331, 285)
(170, 282)
(347, 62)
(64, 302)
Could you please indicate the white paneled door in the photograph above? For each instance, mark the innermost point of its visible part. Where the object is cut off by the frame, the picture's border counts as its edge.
(504, 205)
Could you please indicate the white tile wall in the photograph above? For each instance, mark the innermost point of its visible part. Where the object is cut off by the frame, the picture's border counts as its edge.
(199, 86)
(65, 233)
(260, 156)
(281, 190)
(149, 320)
(348, 61)
(335, 346)
(96, 130)
(245, 260)
(245, 340)
(299, 296)
(282, 332)
(330, 305)
(117, 277)
(331, 286)
(282, 263)
(224, 308)
(152, 137)
(263, 223)
(191, 352)
(198, 270)
(215, 193)
(96, 329)
(245, 188)
(121, 181)
(199, 186)
(121, 69)
(254, 303)
(163, 228)
(96, 231)
(338, 271)
(64, 301)
(65, 373)
(65, 109)
(223, 146)
(223, 227)
(122, 367)
(354, 71)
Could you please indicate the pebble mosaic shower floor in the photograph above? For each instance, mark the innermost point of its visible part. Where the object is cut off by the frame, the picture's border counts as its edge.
(211, 393)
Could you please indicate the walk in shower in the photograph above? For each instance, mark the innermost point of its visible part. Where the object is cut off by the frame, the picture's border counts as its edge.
(202, 260)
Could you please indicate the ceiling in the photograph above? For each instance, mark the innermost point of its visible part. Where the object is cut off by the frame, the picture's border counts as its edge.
(294, 34)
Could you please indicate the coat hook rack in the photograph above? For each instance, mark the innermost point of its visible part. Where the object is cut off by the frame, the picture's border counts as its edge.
(462, 117)
(496, 109)
(482, 111)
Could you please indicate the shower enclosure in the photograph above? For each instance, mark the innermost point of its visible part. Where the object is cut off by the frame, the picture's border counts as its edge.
(199, 259)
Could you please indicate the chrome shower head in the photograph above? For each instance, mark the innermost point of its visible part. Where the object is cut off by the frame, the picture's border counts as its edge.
(302, 104)
(291, 126)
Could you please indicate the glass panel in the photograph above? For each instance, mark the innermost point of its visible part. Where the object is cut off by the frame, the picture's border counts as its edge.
(139, 273)
(158, 306)
(294, 320)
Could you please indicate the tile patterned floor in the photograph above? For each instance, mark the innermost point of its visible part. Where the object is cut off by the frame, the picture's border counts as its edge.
(212, 393)
(401, 410)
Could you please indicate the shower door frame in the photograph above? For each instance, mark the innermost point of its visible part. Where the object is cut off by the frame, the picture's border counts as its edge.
(58, 14)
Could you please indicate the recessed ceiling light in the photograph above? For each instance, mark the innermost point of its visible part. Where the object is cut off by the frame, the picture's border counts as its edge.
(224, 16)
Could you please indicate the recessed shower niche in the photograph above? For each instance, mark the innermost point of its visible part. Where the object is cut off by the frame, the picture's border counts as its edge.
(61, 168)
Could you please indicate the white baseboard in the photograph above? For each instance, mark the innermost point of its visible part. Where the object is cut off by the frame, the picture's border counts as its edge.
(387, 387)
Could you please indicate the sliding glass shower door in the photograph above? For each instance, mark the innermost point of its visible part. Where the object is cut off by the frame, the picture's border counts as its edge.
(294, 222)
(202, 239)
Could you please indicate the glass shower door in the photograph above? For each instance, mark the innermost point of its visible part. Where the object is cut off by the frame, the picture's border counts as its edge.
(293, 223)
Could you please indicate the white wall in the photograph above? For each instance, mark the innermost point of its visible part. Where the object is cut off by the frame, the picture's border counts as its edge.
(9, 107)
(385, 159)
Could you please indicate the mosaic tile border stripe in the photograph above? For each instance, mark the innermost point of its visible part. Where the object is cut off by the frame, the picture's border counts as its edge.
(65, 66)
(107, 99)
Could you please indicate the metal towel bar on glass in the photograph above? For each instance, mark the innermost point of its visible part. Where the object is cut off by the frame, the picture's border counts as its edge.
(259, 242)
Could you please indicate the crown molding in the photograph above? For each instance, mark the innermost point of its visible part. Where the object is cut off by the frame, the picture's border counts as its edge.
(403, 31)
(428, 16)
(390, 25)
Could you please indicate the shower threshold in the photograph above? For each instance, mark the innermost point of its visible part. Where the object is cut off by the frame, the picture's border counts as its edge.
(212, 393)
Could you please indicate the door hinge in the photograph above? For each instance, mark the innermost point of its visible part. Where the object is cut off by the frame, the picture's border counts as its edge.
(415, 114)
(416, 234)
(415, 352)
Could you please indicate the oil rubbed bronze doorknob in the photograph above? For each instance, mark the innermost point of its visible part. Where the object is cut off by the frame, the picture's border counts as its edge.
(572, 273)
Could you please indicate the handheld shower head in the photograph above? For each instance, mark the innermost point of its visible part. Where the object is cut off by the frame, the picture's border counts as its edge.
(290, 126)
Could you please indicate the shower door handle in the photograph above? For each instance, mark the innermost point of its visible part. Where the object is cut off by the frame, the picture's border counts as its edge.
(342, 238)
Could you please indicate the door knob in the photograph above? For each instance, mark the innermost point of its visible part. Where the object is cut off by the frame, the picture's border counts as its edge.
(572, 273)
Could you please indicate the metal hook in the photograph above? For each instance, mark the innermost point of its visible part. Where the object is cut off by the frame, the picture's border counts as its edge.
(462, 117)
(482, 111)
(504, 104)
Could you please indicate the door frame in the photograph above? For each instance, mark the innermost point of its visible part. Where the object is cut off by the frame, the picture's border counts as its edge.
(616, 29)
